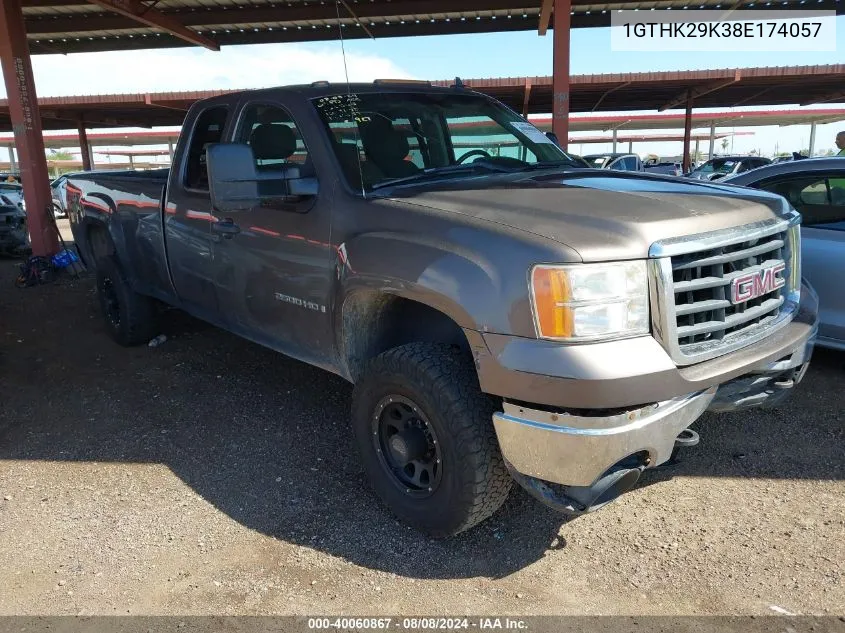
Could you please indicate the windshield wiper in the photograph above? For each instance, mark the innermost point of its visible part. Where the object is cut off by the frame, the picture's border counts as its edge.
(434, 172)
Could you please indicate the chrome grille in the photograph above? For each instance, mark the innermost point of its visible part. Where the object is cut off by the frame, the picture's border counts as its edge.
(695, 316)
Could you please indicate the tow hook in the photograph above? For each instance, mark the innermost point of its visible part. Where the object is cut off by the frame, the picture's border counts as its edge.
(686, 439)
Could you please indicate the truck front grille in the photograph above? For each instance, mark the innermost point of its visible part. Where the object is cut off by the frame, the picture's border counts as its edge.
(700, 289)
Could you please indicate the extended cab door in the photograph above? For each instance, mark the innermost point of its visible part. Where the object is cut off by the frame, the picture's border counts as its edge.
(188, 213)
(274, 273)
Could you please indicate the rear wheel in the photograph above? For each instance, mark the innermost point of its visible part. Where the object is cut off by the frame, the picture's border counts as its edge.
(425, 434)
(129, 316)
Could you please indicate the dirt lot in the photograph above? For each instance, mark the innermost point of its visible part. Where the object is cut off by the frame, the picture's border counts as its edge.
(210, 475)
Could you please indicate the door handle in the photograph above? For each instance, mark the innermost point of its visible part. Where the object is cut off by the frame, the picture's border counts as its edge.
(226, 227)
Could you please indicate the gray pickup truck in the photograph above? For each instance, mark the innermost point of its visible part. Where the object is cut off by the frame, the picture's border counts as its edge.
(504, 313)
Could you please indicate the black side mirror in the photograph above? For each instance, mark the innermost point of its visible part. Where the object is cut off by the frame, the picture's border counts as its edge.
(553, 138)
(233, 180)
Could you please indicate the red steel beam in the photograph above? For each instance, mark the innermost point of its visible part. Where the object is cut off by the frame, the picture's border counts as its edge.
(560, 73)
(84, 147)
(545, 16)
(687, 132)
(139, 12)
(26, 123)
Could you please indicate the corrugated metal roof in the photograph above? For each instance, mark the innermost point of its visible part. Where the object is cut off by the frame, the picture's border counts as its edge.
(54, 26)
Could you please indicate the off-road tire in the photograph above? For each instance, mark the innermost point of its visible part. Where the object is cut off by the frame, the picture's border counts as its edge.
(135, 322)
(443, 383)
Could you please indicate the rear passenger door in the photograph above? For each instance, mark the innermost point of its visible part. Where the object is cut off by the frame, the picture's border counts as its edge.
(189, 215)
(820, 198)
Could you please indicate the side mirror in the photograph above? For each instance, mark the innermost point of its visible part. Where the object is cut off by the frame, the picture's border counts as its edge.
(232, 177)
(553, 138)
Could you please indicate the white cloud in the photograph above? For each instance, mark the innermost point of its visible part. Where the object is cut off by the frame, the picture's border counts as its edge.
(167, 70)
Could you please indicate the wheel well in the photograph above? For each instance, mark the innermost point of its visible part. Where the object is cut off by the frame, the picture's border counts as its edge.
(100, 243)
(375, 322)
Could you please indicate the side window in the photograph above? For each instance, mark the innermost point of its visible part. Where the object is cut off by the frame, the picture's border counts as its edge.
(274, 138)
(820, 199)
(208, 129)
(618, 165)
(631, 163)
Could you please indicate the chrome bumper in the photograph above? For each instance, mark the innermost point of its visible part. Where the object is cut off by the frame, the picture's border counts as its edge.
(576, 450)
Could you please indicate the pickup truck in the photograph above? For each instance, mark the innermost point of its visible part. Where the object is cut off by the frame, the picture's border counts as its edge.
(505, 314)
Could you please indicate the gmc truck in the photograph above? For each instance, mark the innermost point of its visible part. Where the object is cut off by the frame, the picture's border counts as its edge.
(504, 313)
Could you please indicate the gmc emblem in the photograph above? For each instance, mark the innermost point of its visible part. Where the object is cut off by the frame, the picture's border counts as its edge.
(756, 284)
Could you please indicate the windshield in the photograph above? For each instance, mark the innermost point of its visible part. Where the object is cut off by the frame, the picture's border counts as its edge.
(399, 137)
(717, 166)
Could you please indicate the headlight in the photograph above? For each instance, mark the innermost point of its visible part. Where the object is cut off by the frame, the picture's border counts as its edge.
(587, 302)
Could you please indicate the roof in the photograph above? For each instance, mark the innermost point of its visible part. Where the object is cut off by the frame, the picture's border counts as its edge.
(805, 165)
(59, 26)
(589, 93)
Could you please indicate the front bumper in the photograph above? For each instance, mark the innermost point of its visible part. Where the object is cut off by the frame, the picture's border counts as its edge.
(576, 445)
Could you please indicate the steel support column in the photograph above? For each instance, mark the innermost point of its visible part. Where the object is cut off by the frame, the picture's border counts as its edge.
(12, 162)
(614, 140)
(695, 152)
(630, 147)
(170, 150)
(26, 125)
(712, 141)
(812, 138)
(687, 132)
(84, 147)
(560, 73)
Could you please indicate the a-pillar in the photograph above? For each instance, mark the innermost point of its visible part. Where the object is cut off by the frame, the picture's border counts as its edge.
(812, 138)
(560, 71)
(687, 132)
(84, 147)
(26, 125)
(712, 140)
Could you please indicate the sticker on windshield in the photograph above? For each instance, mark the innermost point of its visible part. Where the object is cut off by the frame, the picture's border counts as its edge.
(531, 132)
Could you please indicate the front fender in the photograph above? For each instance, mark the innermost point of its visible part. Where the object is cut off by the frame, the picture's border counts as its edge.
(463, 284)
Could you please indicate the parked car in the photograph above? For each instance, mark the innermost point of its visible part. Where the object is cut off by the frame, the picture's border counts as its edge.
(14, 236)
(618, 162)
(58, 188)
(724, 166)
(663, 167)
(500, 319)
(816, 188)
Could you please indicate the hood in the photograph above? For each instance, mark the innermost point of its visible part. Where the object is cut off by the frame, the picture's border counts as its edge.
(602, 215)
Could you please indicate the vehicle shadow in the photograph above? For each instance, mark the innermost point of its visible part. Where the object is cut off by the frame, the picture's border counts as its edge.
(265, 439)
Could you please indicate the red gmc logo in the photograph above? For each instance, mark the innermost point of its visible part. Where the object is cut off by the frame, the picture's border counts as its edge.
(758, 283)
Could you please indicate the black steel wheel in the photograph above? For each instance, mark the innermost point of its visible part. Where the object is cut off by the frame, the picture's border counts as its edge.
(425, 434)
(130, 317)
(406, 442)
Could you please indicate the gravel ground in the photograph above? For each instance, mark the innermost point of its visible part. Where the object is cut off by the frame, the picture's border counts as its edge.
(212, 476)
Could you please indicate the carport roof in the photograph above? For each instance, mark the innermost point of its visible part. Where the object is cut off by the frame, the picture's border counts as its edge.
(610, 92)
(59, 26)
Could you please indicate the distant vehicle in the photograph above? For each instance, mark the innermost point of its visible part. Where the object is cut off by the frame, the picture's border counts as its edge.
(13, 192)
(724, 166)
(618, 162)
(816, 188)
(664, 167)
(11, 178)
(57, 187)
(13, 234)
(786, 159)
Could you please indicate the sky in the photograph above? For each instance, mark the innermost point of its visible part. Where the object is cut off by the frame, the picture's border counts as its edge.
(431, 57)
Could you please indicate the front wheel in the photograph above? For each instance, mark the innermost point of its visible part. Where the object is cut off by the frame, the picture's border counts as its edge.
(425, 434)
